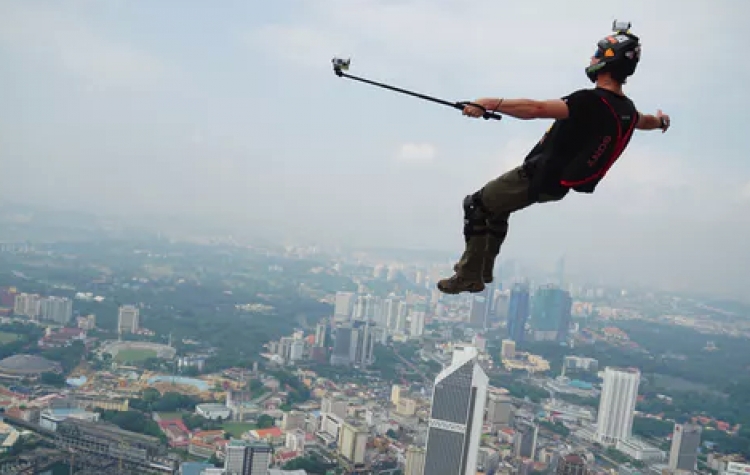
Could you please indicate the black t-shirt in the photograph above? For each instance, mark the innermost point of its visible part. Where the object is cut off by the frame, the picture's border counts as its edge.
(575, 153)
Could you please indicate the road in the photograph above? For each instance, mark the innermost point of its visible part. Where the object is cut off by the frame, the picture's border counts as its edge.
(413, 367)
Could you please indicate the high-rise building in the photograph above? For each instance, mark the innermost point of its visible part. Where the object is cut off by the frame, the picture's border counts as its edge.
(320, 334)
(57, 309)
(617, 404)
(344, 346)
(353, 443)
(367, 307)
(478, 311)
(686, 439)
(417, 316)
(334, 405)
(343, 306)
(524, 440)
(415, 458)
(499, 411)
(550, 314)
(29, 305)
(365, 343)
(518, 312)
(128, 319)
(389, 312)
(456, 416)
(400, 323)
(244, 458)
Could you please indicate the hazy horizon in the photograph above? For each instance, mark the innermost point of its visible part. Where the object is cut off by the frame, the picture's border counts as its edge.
(230, 116)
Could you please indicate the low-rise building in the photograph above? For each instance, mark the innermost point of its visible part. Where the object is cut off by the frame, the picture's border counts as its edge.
(213, 411)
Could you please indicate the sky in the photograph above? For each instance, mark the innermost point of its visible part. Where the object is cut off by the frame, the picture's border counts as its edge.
(228, 113)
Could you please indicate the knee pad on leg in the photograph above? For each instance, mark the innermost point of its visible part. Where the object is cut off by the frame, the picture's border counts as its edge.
(475, 219)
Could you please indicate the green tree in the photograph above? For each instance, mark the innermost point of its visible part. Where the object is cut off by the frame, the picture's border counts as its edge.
(265, 421)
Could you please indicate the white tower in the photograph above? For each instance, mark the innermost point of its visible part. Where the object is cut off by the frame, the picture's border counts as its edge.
(456, 416)
(617, 404)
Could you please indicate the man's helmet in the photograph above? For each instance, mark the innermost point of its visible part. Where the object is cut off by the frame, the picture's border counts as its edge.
(618, 54)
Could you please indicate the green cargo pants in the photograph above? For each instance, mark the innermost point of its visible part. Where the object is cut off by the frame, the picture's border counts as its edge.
(488, 226)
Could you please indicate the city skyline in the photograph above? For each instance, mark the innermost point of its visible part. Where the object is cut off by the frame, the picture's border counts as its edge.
(412, 373)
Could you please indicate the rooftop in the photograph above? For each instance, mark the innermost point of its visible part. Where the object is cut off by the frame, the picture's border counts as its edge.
(109, 431)
(27, 364)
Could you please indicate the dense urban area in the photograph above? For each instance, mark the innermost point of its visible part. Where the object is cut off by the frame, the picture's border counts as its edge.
(138, 352)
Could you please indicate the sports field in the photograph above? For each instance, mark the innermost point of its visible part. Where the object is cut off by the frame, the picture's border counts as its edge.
(6, 337)
(134, 355)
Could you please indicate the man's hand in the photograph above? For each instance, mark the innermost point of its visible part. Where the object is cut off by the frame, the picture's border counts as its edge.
(664, 119)
(653, 122)
(474, 111)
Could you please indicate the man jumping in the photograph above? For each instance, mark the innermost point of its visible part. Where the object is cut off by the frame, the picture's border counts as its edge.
(592, 128)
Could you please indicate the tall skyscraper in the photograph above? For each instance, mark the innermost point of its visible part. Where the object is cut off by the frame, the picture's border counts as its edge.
(344, 345)
(366, 336)
(389, 312)
(456, 416)
(478, 310)
(518, 312)
(367, 307)
(29, 305)
(550, 314)
(320, 334)
(57, 309)
(128, 319)
(417, 317)
(686, 439)
(524, 440)
(617, 404)
(343, 306)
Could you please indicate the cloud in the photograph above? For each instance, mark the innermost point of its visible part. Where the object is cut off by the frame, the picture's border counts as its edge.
(490, 44)
(47, 35)
(416, 152)
(745, 192)
(302, 45)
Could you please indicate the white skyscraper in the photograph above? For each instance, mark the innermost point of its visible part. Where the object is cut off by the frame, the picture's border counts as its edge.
(617, 404)
(343, 306)
(456, 416)
(417, 316)
(58, 309)
(128, 319)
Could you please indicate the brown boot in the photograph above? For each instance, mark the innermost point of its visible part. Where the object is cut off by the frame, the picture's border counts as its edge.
(492, 249)
(457, 284)
(487, 276)
(469, 268)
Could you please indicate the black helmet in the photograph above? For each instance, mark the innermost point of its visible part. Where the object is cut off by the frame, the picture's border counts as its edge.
(618, 54)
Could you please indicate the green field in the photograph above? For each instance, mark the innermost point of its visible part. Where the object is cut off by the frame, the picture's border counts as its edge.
(6, 337)
(134, 355)
(236, 429)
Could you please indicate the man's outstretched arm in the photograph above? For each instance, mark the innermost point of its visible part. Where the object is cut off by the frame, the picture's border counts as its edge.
(525, 109)
(653, 122)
